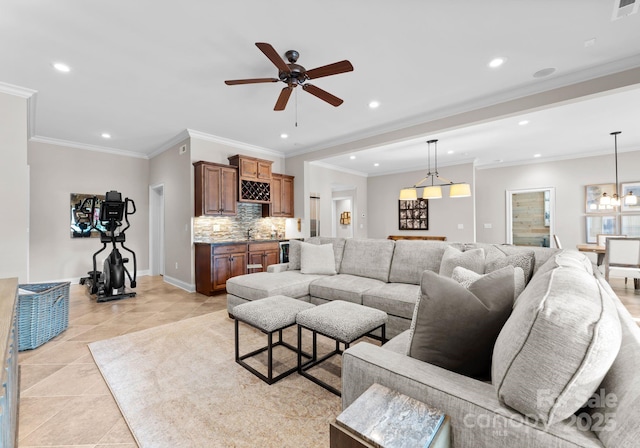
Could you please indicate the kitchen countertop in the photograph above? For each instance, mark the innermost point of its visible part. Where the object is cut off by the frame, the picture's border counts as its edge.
(224, 243)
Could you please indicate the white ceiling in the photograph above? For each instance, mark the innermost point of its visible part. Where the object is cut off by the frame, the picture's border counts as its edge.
(144, 71)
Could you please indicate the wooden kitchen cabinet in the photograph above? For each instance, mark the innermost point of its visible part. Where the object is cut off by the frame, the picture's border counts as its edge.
(281, 197)
(215, 264)
(216, 189)
(254, 179)
(263, 253)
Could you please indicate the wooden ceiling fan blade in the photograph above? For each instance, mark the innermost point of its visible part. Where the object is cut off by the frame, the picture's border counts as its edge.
(273, 56)
(331, 69)
(234, 82)
(322, 94)
(281, 103)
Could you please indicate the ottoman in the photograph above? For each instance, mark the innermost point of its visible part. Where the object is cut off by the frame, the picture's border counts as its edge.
(341, 321)
(268, 315)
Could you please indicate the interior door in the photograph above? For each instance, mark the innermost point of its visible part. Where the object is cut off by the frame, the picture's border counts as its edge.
(530, 217)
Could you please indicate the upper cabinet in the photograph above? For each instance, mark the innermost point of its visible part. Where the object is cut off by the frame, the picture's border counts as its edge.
(281, 196)
(216, 189)
(254, 181)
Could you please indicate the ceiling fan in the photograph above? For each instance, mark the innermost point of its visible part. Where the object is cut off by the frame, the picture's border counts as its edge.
(294, 75)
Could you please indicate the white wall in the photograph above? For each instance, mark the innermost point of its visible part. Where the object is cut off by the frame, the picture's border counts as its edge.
(569, 177)
(14, 188)
(322, 181)
(58, 171)
(444, 214)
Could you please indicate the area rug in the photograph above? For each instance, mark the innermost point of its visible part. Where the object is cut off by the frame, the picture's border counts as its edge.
(178, 385)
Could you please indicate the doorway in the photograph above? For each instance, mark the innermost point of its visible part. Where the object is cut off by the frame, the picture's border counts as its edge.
(156, 229)
(531, 217)
(342, 212)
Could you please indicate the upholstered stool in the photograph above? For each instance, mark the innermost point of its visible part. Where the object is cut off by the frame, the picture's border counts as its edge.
(268, 315)
(341, 321)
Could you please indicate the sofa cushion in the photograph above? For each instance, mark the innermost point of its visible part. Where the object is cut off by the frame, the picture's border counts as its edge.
(264, 284)
(454, 327)
(411, 258)
(317, 259)
(471, 259)
(294, 255)
(397, 299)
(535, 371)
(338, 246)
(349, 288)
(501, 256)
(466, 278)
(369, 258)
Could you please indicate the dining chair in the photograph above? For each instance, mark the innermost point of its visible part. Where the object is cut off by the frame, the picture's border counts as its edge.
(557, 241)
(602, 238)
(622, 259)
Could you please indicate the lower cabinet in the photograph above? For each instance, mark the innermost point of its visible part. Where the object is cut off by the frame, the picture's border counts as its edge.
(263, 254)
(217, 264)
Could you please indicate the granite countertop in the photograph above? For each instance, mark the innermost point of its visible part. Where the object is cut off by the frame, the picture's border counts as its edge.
(224, 243)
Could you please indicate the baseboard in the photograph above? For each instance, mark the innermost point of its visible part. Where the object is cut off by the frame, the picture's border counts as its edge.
(76, 280)
(189, 287)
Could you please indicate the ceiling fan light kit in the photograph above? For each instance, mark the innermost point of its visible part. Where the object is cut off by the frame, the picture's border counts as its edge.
(434, 191)
(294, 75)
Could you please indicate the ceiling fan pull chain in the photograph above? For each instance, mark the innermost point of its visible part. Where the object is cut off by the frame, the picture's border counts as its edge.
(296, 107)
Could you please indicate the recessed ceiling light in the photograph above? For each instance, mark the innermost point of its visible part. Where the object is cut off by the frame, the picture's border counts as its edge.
(61, 67)
(497, 62)
(352, 157)
(284, 135)
(105, 135)
(537, 155)
(451, 151)
(523, 122)
(374, 104)
(376, 164)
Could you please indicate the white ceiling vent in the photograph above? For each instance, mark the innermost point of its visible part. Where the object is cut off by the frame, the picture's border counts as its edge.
(622, 8)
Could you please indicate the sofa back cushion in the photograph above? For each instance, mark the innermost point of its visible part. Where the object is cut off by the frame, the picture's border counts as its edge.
(338, 248)
(557, 346)
(367, 258)
(411, 258)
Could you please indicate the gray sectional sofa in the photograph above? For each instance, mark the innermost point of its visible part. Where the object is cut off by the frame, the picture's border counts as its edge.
(381, 274)
(565, 366)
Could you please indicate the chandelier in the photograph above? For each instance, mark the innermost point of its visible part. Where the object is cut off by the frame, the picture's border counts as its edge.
(433, 189)
(607, 201)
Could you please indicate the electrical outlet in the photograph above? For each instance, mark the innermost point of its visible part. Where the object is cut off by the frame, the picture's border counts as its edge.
(176, 265)
(216, 227)
(488, 226)
(460, 226)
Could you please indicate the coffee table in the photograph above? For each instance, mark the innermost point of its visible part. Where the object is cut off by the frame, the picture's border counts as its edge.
(344, 322)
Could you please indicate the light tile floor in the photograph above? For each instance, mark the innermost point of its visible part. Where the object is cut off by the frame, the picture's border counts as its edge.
(64, 400)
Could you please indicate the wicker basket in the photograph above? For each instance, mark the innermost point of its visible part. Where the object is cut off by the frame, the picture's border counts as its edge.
(42, 315)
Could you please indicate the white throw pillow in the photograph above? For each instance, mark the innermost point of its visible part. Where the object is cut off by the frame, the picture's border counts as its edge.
(317, 259)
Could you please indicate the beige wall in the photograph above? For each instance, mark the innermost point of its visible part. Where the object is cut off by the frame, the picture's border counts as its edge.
(322, 181)
(14, 188)
(174, 171)
(569, 177)
(55, 173)
(444, 214)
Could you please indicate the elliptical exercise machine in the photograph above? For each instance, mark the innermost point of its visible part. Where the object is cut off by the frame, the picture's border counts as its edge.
(110, 283)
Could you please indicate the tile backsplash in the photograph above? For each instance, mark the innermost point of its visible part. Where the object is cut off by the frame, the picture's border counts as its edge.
(233, 228)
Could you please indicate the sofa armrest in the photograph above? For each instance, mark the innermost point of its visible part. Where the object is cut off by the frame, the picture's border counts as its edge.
(280, 267)
(477, 418)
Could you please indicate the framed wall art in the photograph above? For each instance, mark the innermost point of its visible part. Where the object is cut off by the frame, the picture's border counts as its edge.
(413, 215)
(600, 225)
(593, 193)
(633, 187)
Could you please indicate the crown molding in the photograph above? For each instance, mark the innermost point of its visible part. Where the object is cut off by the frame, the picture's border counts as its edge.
(338, 168)
(182, 136)
(95, 148)
(234, 143)
(12, 89)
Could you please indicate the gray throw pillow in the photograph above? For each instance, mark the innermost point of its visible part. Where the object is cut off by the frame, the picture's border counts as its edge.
(454, 327)
(470, 259)
(317, 259)
(294, 255)
(499, 257)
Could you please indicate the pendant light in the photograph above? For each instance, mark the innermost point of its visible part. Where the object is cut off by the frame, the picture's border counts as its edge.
(607, 201)
(434, 191)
